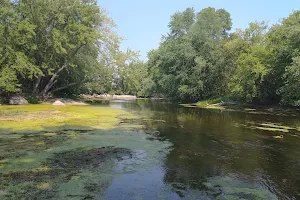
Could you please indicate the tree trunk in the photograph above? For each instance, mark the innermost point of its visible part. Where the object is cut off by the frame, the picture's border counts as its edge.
(64, 87)
(36, 85)
(52, 81)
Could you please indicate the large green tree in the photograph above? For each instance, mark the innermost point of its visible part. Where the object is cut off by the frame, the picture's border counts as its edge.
(51, 45)
(185, 64)
(16, 43)
(200, 59)
(284, 42)
(251, 63)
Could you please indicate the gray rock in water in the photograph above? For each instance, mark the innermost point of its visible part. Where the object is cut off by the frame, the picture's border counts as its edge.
(17, 100)
(58, 103)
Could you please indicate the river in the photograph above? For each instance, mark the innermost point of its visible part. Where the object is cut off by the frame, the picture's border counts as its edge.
(216, 154)
(152, 150)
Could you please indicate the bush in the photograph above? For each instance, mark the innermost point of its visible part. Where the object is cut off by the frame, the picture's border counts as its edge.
(32, 99)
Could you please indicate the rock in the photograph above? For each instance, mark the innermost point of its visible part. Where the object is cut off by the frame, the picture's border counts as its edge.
(58, 103)
(17, 100)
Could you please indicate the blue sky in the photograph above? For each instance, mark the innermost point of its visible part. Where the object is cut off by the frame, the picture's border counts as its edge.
(143, 22)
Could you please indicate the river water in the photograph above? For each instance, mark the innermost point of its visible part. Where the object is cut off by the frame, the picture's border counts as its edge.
(148, 149)
(214, 154)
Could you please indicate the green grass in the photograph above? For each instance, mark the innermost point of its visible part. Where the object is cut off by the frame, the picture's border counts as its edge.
(204, 103)
(32, 99)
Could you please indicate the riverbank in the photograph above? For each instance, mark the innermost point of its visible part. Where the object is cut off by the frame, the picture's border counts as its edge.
(108, 97)
(83, 99)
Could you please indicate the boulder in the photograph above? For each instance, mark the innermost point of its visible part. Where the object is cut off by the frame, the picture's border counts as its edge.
(58, 103)
(17, 100)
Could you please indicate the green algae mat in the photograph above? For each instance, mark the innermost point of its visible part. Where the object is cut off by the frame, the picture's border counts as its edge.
(69, 152)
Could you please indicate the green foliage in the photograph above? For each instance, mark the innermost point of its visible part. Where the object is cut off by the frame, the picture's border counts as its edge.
(68, 47)
(15, 42)
(185, 65)
(32, 99)
(55, 45)
(200, 60)
(207, 102)
(250, 74)
(284, 41)
(290, 90)
(128, 75)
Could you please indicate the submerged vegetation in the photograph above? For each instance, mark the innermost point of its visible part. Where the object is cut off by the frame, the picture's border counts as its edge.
(69, 152)
(157, 150)
(40, 117)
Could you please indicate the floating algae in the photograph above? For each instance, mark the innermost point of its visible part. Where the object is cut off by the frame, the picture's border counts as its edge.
(36, 118)
(229, 188)
(274, 127)
(268, 127)
(71, 154)
(44, 186)
(83, 167)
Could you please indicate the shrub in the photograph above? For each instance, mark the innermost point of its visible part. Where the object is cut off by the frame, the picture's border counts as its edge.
(32, 99)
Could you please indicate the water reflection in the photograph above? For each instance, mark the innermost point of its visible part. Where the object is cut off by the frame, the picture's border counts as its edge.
(217, 154)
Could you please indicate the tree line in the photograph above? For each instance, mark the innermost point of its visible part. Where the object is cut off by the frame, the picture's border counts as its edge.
(202, 58)
(65, 47)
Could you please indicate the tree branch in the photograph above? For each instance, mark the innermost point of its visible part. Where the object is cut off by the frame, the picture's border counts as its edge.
(78, 48)
(36, 85)
(64, 87)
(52, 81)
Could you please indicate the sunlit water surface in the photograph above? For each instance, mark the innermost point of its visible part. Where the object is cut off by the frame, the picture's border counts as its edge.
(167, 152)
(215, 154)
